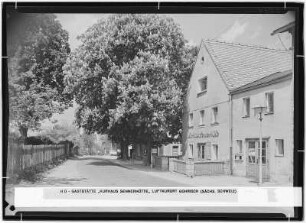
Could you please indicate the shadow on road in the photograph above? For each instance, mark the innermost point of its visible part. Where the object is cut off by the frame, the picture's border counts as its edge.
(106, 163)
(86, 158)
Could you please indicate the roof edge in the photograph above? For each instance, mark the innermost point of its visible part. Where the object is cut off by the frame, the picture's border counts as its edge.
(265, 81)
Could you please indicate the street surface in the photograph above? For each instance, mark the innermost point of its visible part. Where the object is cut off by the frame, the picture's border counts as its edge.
(98, 171)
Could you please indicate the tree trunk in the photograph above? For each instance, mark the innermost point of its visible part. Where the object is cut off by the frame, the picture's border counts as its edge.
(24, 132)
(124, 150)
(148, 157)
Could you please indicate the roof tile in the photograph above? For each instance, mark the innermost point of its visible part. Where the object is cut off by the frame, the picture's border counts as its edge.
(243, 64)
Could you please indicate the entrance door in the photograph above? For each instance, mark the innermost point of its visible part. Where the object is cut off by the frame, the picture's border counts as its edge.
(253, 159)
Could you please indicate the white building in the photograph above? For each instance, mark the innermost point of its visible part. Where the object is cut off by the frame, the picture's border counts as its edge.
(220, 128)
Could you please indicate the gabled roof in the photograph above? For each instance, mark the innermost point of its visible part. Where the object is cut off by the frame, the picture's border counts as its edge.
(240, 65)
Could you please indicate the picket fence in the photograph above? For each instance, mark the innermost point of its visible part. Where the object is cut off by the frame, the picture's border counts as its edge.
(21, 157)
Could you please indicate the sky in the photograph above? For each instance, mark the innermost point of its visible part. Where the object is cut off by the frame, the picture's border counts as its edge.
(251, 29)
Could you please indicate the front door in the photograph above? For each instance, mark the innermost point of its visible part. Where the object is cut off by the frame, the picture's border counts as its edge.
(253, 159)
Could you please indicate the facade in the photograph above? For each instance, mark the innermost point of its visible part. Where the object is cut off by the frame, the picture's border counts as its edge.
(172, 149)
(228, 80)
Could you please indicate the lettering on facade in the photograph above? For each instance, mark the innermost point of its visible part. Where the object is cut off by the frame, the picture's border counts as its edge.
(212, 134)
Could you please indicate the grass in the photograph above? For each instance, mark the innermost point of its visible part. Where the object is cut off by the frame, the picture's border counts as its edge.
(35, 173)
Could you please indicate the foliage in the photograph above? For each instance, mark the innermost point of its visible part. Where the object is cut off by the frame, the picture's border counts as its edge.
(60, 133)
(37, 49)
(129, 78)
(38, 140)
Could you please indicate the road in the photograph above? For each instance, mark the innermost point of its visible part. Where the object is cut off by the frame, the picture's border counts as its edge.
(98, 171)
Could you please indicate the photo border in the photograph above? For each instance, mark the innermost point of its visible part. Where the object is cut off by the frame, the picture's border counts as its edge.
(167, 8)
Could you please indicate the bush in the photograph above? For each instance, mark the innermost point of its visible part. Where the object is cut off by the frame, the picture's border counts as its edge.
(38, 140)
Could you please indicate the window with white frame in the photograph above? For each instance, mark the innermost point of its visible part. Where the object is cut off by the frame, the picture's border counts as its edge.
(214, 115)
(279, 147)
(190, 119)
(202, 114)
(252, 151)
(175, 150)
(239, 146)
(270, 102)
(190, 150)
(203, 84)
(201, 151)
(246, 107)
(214, 154)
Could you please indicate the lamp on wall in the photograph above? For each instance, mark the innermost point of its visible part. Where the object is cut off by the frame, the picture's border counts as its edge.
(258, 111)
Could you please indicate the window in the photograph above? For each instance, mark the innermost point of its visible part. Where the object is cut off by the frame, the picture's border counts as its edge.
(279, 147)
(201, 151)
(175, 150)
(214, 155)
(214, 115)
(270, 102)
(246, 107)
(202, 113)
(252, 154)
(190, 119)
(190, 151)
(203, 84)
(239, 146)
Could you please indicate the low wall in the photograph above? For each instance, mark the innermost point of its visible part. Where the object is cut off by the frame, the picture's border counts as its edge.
(198, 168)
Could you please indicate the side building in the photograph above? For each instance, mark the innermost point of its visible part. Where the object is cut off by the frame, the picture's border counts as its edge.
(227, 82)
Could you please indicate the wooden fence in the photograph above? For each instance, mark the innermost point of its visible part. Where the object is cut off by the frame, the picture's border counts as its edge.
(179, 166)
(208, 168)
(21, 157)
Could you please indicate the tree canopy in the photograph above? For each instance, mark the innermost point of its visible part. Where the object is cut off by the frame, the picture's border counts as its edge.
(129, 77)
(37, 48)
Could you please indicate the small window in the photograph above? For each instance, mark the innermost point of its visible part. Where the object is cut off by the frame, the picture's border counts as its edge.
(279, 147)
(202, 114)
(270, 102)
(190, 150)
(190, 119)
(203, 84)
(175, 150)
(239, 146)
(246, 107)
(214, 115)
(215, 151)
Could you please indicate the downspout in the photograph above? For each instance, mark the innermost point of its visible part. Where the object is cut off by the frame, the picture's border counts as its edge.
(231, 133)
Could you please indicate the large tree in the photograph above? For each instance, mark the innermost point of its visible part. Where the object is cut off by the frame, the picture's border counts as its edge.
(129, 77)
(37, 48)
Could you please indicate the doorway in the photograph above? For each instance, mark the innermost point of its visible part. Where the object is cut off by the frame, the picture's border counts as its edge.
(253, 159)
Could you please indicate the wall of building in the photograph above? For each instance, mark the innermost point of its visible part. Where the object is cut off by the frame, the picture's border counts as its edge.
(167, 150)
(274, 126)
(215, 96)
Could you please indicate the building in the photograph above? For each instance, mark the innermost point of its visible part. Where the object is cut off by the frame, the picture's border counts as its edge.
(228, 80)
(172, 149)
